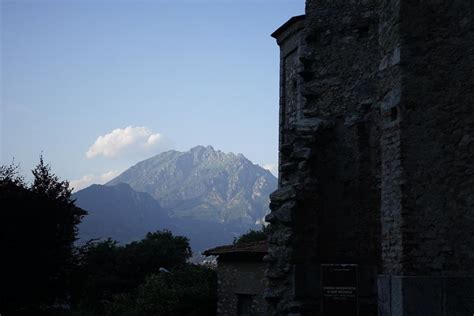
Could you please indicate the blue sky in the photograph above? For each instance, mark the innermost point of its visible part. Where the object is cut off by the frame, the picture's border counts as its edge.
(100, 85)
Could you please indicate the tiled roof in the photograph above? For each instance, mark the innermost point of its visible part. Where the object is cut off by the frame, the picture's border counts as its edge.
(249, 248)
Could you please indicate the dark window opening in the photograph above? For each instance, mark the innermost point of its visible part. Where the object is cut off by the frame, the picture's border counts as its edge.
(363, 30)
(244, 305)
(394, 114)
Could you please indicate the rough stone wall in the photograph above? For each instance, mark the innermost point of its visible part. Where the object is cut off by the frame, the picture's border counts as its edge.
(240, 278)
(392, 173)
(342, 53)
(376, 156)
(427, 93)
(327, 207)
(437, 123)
(280, 272)
(427, 142)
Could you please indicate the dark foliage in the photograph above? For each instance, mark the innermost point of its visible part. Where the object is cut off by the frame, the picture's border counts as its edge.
(253, 236)
(9, 175)
(107, 269)
(43, 273)
(187, 290)
(38, 230)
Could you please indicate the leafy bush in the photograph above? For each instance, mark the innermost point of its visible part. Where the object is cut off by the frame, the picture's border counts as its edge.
(188, 290)
(126, 280)
(253, 236)
(107, 269)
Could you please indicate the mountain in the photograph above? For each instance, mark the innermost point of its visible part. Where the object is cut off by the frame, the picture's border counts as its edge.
(119, 212)
(204, 184)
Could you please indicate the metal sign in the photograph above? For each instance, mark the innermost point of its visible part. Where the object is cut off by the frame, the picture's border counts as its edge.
(339, 290)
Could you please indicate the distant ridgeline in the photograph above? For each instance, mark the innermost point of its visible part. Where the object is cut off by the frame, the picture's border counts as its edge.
(205, 194)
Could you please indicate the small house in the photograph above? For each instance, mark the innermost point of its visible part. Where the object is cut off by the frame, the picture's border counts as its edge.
(241, 278)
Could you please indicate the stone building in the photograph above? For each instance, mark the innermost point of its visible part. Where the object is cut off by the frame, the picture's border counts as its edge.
(374, 214)
(241, 278)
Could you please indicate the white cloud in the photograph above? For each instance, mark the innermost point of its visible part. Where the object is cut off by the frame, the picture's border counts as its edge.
(153, 139)
(89, 179)
(83, 182)
(261, 221)
(273, 168)
(107, 176)
(122, 140)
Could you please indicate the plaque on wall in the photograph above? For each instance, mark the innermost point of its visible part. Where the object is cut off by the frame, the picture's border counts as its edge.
(339, 290)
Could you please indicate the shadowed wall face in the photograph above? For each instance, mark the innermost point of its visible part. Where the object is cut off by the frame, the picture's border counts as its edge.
(427, 90)
(436, 117)
(376, 135)
(343, 56)
(240, 288)
(329, 153)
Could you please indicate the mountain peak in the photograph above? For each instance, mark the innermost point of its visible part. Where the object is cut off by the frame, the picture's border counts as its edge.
(204, 152)
(204, 183)
(202, 148)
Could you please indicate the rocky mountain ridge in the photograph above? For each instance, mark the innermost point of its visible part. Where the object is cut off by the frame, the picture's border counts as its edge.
(204, 184)
(204, 194)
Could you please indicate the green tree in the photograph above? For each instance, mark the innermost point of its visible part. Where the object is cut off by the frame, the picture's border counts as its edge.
(38, 230)
(157, 250)
(187, 290)
(109, 270)
(9, 175)
(253, 236)
(96, 278)
(48, 184)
